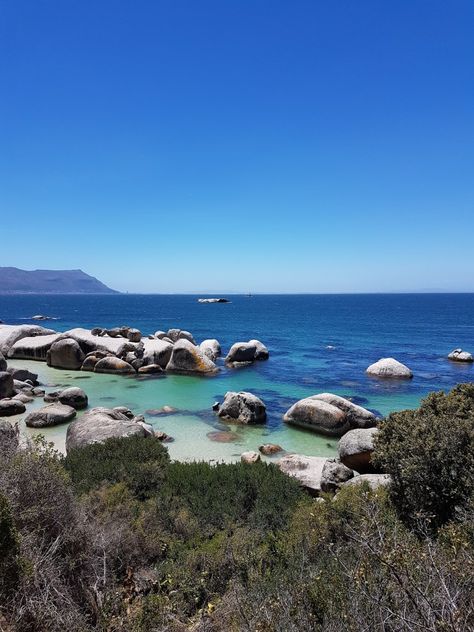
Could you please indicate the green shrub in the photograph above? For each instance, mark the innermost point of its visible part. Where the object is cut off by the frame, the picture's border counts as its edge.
(429, 453)
(9, 550)
(218, 495)
(139, 462)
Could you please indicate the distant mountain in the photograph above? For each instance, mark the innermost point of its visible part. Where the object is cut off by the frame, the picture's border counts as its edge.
(16, 281)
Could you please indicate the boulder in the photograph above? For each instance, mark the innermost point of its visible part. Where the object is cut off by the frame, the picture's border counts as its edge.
(374, 481)
(186, 358)
(306, 469)
(74, 397)
(33, 347)
(250, 457)
(241, 352)
(134, 335)
(157, 352)
(22, 397)
(10, 407)
(89, 363)
(65, 354)
(6, 384)
(89, 343)
(458, 355)
(211, 348)
(50, 415)
(355, 449)
(10, 334)
(110, 364)
(262, 352)
(23, 374)
(242, 407)
(99, 424)
(159, 334)
(328, 414)
(179, 334)
(270, 448)
(389, 368)
(334, 475)
(150, 369)
(3, 362)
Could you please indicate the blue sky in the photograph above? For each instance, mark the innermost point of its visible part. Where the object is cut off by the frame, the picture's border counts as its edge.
(264, 146)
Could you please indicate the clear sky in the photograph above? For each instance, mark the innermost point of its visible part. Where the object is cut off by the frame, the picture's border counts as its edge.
(240, 145)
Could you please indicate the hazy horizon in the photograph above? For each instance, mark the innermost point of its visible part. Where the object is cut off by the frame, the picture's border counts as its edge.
(260, 147)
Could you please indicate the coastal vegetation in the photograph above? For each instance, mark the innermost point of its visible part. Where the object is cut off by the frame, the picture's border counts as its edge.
(115, 537)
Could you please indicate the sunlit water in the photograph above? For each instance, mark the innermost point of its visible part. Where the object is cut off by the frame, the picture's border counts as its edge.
(317, 343)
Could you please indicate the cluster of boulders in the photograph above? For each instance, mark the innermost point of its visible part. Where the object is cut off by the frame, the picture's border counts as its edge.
(124, 350)
(18, 387)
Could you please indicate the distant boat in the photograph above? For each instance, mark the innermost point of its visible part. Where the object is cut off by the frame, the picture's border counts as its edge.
(248, 295)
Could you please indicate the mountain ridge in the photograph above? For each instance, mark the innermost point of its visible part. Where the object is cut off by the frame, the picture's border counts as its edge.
(41, 281)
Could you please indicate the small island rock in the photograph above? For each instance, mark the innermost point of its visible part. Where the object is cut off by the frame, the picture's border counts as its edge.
(389, 368)
(458, 355)
(243, 407)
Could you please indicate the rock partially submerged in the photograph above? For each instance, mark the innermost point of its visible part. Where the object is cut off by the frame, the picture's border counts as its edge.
(458, 355)
(99, 424)
(11, 406)
(355, 449)
(73, 396)
(187, 358)
(111, 364)
(50, 415)
(307, 470)
(329, 414)
(389, 368)
(246, 352)
(269, 449)
(213, 300)
(65, 353)
(243, 407)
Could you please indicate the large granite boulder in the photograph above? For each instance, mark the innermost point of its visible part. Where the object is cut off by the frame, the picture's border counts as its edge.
(99, 424)
(355, 449)
(23, 375)
(211, 348)
(262, 352)
(65, 353)
(328, 414)
(307, 470)
(33, 347)
(3, 362)
(241, 352)
(50, 415)
(389, 368)
(10, 407)
(458, 355)
(186, 358)
(9, 334)
(134, 335)
(334, 475)
(74, 397)
(242, 407)
(6, 384)
(374, 481)
(180, 334)
(88, 342)
(111, 364)
(157, 352)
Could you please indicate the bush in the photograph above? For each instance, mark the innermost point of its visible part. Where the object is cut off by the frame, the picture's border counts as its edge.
(139, 462)
(429, 453)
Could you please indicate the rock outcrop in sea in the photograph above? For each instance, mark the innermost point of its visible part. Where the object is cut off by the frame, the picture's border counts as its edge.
(389, 368)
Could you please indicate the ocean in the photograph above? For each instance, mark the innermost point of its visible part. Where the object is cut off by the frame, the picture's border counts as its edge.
(318, 343)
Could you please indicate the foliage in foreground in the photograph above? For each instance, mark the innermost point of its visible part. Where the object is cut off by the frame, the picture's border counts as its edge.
(116, 538)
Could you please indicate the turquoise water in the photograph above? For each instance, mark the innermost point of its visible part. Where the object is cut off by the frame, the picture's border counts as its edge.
(317, 343)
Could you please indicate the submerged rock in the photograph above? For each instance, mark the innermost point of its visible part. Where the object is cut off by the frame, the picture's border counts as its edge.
(222, 436)
(389, 368)
(74, 397)
(355, 449)
(262, 352)
(269, 449)
(23, 375)
(187, 358)
(328, 414)
(50, 415)
(99, 424)
(458, 355)
(243, 407)
(306, 469)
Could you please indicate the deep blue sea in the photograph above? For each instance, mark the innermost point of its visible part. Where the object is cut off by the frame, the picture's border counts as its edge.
(317, 343)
